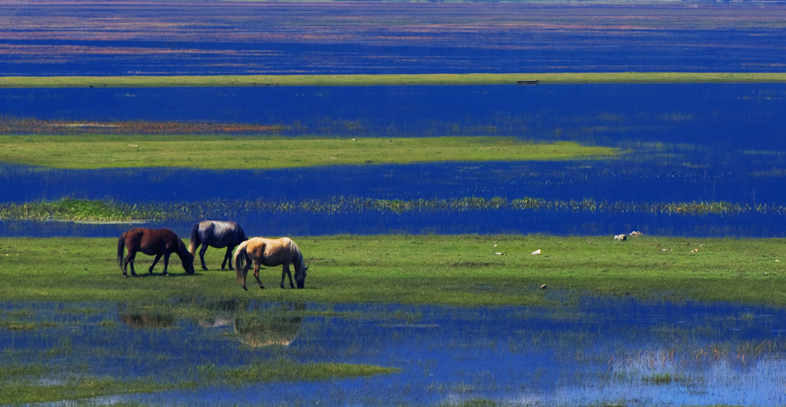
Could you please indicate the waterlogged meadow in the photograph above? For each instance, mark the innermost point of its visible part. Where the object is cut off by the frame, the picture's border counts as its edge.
(435, 279)
(231, 352)
(690, 160)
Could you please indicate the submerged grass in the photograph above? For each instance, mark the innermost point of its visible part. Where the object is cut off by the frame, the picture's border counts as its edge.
(78, 210)
(458, 270)
(386, 79)
(215, 152)
(16, 388)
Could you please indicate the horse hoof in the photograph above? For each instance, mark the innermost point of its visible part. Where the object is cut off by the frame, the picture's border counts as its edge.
(244, 287)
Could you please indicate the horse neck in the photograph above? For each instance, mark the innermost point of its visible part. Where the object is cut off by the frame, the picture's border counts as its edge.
(298, 260)
(182, 251)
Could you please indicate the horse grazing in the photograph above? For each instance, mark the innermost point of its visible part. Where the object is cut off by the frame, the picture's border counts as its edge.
(218, 234)
(158, 242)
(269, 253)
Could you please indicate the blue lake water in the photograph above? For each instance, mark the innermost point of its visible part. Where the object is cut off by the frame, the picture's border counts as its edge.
(738, 116)
(208, 38)
(683, 143)
(599, 350)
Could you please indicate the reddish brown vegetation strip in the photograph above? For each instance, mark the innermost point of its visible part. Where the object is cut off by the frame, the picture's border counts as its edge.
(34, 126)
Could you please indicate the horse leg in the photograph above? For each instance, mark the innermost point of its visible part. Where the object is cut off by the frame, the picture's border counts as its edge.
(256, 275)
(129, 259)
(202, 252)
(245, 273)
(166, 262)
(150, 270)
(286, 272)
(228, 258)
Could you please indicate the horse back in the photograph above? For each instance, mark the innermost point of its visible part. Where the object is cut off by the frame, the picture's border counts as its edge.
(221, 233)
(152, 240)
(271, 252)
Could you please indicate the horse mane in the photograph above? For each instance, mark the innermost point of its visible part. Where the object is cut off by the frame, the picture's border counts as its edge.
(182, 251)
(298, 255)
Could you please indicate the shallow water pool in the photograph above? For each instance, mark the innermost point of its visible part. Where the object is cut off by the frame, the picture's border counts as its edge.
(594, 351)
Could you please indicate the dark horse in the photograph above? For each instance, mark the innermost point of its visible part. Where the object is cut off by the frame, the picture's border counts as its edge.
(217, 234)
(158, 242)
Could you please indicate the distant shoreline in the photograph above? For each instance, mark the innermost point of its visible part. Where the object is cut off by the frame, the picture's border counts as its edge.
(523, 79)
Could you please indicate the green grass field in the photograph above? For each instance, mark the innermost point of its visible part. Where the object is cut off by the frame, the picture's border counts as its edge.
(457, 270)
(384, 80)
(216, 152)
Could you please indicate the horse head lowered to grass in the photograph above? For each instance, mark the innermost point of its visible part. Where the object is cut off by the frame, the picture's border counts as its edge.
(270, 253)
(218, 234)
(153, 242)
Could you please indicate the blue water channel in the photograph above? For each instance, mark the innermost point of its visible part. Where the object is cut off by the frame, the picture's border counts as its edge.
(596, 351)
(681, 143)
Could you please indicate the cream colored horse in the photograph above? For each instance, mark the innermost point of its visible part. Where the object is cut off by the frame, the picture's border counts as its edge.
(269, 253)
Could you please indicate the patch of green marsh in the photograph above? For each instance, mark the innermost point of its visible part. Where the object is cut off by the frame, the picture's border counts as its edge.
(285, 370)
(458, 270)
(16, 392)
(213, 152)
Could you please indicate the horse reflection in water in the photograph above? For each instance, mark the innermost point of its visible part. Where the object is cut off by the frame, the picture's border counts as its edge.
(153, 242)
(140, 320)
(270, 253)
(279, 329)
(261, 329)
(217, 234)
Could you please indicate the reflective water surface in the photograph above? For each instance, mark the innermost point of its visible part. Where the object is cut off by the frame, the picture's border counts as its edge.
(598, 350)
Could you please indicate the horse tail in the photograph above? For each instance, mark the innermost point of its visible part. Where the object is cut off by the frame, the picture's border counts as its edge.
(240, 255)
(193, 242)
(121, 246)
(241, 233)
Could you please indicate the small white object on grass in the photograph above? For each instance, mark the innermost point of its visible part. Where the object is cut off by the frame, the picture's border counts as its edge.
(536, 252)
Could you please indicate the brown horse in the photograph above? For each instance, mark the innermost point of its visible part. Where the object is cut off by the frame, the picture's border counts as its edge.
(270, 253)
(158, 242)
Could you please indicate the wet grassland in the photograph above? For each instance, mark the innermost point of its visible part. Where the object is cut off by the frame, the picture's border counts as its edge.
(456, 270)
(73, 328)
